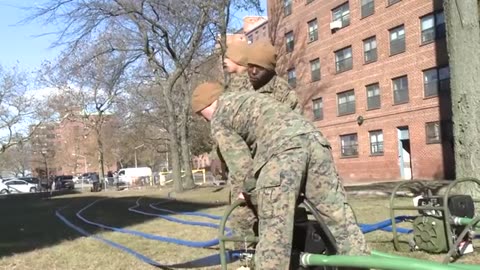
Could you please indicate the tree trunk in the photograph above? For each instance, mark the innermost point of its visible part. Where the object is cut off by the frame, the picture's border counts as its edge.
(224, 21)
(188, 181)
(463, 41)
(173, 140)
(100, 155)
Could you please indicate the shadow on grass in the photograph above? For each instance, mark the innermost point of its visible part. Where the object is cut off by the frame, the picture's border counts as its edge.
(28, 221)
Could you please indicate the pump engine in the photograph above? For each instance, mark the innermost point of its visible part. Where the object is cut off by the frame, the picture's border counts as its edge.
(430, 228)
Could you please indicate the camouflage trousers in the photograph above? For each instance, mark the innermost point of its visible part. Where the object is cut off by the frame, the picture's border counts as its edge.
(242, 220)
(307, 168)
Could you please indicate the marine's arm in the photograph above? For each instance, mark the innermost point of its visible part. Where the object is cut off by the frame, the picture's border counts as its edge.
(237, 157)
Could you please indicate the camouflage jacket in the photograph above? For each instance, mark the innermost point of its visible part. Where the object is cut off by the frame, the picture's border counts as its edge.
(279, 88)
(239, 82)
(249, 129)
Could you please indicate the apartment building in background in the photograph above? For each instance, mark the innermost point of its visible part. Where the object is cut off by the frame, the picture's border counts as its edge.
(69, 146)
(373, 76)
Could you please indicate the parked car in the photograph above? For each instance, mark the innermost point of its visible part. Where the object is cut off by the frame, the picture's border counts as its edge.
(90, 177)
(20, 186)
(64, 182)
(33, 180)
(3, 189)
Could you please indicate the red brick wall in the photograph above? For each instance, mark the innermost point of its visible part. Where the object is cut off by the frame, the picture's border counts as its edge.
(428, 160)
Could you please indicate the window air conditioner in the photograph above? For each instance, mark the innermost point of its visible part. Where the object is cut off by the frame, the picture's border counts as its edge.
(335, 25)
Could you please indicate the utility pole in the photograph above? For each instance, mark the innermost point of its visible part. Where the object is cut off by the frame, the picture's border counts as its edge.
(136, 153)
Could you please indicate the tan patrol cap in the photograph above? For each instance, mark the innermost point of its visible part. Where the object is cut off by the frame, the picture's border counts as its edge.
(205, 94)
(238, 52)
(262, 54)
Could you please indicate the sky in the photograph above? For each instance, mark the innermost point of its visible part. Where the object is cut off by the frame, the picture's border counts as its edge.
(20, 44)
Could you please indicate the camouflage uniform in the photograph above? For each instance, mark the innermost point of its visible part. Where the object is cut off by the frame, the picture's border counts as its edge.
(281, 91)
(243, 219)
(239, 82)
(291, 156)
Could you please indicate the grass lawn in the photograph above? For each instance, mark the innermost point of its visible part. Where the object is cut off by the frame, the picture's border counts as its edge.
(32, 237)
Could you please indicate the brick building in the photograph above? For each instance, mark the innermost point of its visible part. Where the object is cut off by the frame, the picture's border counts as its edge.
(68, 146)
(373, 75)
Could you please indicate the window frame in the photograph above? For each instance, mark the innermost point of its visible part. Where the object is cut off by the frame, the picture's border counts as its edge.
(315, 108)
(397, 42)
(315, 74)
(287, 7)
(374, 96)
(378, 145)
(289, 41)
(343, 17)
(312, 34)
(401, 89)
(367, 9)
(292, 81)
(348, 104)
(438, 138)
(348, 61)
(439, 82)
(353, 146)
(437, 31)
(374, 50)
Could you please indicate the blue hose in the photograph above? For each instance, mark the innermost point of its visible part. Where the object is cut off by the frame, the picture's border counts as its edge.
(198, 214)
(212, 260)
(366, 228)
(386, 225)
(196, 244)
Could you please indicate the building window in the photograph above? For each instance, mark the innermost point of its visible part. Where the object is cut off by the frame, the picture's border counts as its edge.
(368, 8)
(292, 77)
(349, 145)
(432, 130)
(370, 50)
(315, 69)
(391, 2)
(436, 80)
(342, 13)
(289, 41)
(400, 90)
(376, 142)
(433, 27)
(250, 39)
(346, 102)
(317, 109)
(287, 7)
(312, 30)
(373, 96)
(397, 40)
(343, 59)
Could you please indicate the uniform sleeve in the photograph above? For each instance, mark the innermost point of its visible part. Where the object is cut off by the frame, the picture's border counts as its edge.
(237, 156)
(292, 101)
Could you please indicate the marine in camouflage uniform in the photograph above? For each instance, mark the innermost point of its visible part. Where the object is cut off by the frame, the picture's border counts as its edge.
(262, 61)
(242, 220)
(262, 58)
(291, 157)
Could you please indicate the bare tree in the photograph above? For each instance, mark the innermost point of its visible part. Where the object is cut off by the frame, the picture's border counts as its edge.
(17, 159)
(20, 112)
(92, 81)
(168, 35)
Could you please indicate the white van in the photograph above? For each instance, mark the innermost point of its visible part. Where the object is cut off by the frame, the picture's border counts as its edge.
(135, 176)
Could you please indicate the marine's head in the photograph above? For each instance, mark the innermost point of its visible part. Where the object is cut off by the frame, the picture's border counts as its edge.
(235, 60)
(262, 60)
(204, 98)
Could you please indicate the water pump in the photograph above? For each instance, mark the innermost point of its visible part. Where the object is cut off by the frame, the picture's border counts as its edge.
(429, 229)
